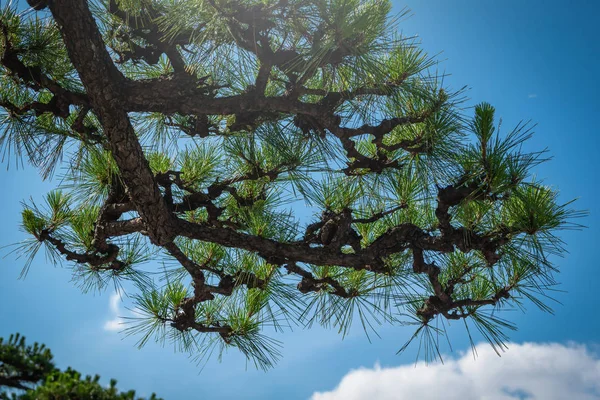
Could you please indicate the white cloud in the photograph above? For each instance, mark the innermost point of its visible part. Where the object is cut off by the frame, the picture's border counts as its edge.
(526, 371)
(116, 322)
(532, 95)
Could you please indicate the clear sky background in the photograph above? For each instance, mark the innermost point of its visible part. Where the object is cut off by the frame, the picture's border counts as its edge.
(533, 60)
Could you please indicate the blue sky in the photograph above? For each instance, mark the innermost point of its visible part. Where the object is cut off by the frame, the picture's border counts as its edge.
(532, 60)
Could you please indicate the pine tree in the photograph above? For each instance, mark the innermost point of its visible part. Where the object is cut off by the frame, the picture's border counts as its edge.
(22, 366)
(202, 134)
(28, 373)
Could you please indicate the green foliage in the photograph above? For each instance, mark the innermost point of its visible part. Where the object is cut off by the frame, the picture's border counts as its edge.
(71, 385)
(42, 139)
(21, 365)
(27, 372)
(91, 178)
(198, 165)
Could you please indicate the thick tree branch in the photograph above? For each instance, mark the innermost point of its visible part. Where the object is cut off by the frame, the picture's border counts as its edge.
(104, 84)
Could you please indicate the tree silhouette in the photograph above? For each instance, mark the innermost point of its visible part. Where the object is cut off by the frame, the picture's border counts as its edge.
(202, 133)
(28, 372)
